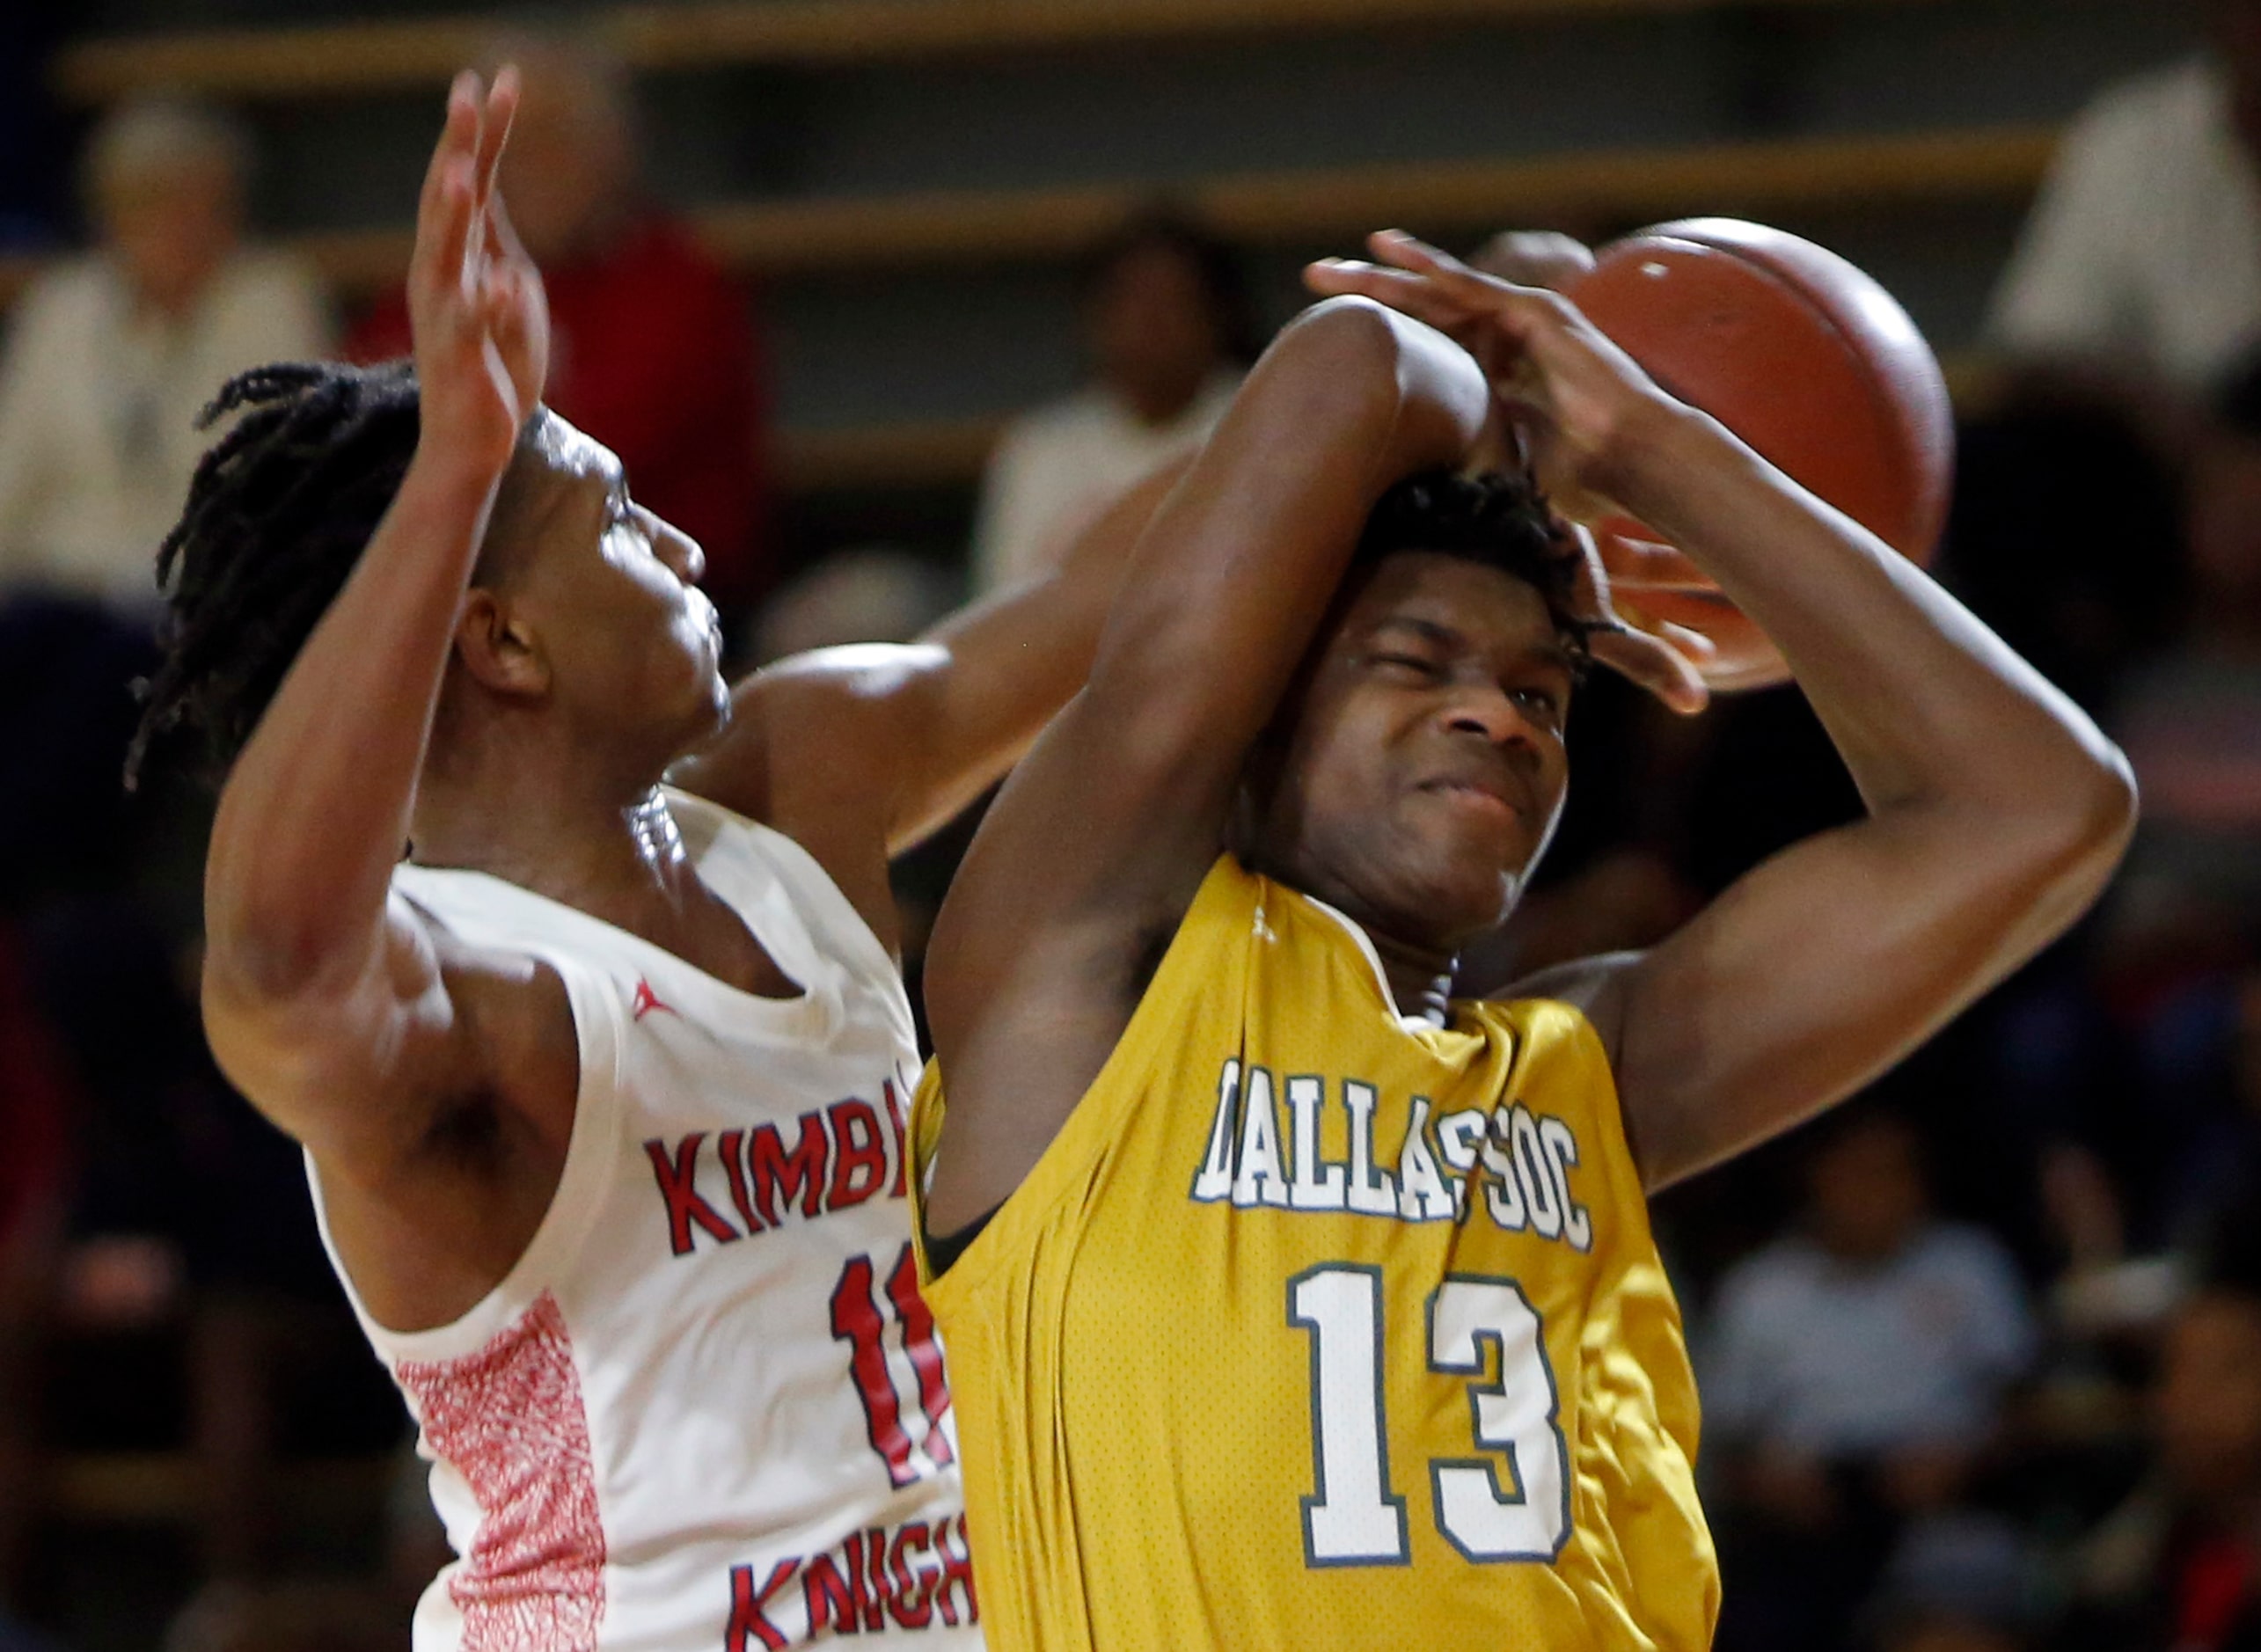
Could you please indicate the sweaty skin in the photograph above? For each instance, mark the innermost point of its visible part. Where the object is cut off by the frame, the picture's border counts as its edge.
(519, 656)
(1996, 810)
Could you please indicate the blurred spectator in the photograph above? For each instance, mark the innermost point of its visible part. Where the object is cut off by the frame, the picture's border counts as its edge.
(1168, 328)
(2191, 721)
(869, 593)
(654, 349)
(110, 356)
(2144, 252)
(2177, 1567)
(1957, 1583)
(1855, 1371)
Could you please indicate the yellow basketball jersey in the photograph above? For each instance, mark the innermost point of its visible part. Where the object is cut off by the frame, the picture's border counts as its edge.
(1318, 1328)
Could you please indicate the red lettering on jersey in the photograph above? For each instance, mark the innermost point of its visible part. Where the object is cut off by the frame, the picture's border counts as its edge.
(957, 1571)
(750, 1608)
(799, 1172)
(678, 1185)
(856, 1322)
(859, 1600)
(647, 1001)
(901, 1129)
(826, 1592)
(908, 1604)
(731, 1145)
(882, 1587)
(925, 1354)
(858, 1153)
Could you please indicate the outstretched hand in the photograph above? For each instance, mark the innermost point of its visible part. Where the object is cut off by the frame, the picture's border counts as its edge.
(1572, 397)
(475, 300)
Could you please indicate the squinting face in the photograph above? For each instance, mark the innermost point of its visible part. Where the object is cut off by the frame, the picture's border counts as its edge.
(1424, 768)
(609, 591)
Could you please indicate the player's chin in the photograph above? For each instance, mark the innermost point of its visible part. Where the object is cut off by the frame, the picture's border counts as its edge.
(1452, 892)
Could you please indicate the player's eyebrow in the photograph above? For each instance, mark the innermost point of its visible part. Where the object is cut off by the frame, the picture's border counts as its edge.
(1429, 630)
(1552, 656)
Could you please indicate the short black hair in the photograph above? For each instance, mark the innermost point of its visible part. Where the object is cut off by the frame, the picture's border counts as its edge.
(1170, 228)
(1496, 518)
(278, 515)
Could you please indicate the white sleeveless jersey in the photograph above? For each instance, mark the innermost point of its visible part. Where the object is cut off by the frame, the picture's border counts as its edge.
(706, 1409)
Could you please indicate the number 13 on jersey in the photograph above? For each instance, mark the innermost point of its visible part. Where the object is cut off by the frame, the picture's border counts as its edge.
(1354, 1517)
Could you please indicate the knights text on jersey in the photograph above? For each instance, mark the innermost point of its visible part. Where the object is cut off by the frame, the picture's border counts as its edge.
(706, 1410)
(1314, 1327)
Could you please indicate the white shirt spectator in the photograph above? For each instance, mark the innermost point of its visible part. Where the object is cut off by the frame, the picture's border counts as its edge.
(98, 410)
(2144, 248)
(1058, 466)
(1833, 1359)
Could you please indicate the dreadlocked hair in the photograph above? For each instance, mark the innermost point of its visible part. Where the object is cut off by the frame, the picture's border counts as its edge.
(278, 514)
(1495, 518)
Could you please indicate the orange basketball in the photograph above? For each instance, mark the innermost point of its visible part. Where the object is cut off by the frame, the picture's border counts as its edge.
(1804, 357)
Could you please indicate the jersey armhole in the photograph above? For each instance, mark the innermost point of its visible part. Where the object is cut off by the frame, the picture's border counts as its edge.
(591, 1147)
(1060, 1170)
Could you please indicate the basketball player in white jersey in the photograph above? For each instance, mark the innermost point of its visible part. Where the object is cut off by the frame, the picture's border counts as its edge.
(602, 1088)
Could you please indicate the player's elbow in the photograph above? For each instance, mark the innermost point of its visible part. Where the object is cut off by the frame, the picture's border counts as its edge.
(2070, 839)
(2100, 811)
(1349, 352)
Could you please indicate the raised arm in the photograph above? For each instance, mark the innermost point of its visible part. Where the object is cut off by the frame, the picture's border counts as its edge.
(323, 992)
(1093, 852)
(1996, 810)
(858, 753)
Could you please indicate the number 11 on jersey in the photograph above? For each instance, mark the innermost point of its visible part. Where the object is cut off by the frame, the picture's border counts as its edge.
(1354, 1518)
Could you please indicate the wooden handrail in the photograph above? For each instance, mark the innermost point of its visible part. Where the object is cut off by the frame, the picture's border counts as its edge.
(950, 452)
(364, 56)
(788, 239)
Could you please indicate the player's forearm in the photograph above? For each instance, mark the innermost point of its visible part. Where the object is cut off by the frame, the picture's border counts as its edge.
(316, 810)
(1244, 560)
(1013, 662)
(1927, 706)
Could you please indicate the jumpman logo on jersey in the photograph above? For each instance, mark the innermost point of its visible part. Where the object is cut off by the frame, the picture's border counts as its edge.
(646, 1001)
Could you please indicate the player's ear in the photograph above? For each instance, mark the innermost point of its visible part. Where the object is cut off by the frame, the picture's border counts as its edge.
(499, 648)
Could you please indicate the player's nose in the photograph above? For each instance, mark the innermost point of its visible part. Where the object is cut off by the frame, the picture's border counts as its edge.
(1487, 712)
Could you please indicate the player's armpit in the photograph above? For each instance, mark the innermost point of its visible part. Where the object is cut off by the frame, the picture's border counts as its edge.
(437, 1097)
(354, 1068)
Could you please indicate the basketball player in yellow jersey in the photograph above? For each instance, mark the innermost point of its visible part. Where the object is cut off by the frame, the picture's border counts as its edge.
(1289, 1302)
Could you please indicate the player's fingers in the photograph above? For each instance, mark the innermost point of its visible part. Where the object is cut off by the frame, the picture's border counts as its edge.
(1411, 251)
(1655, 665)
(1635, 563)
(460, 130)
(1409, 294)
(1697, 648)
(1522, 313)
(502, 237)
(444, 236)
(500, 108)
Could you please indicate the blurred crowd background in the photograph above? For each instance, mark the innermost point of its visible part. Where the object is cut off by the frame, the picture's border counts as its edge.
(880, 299)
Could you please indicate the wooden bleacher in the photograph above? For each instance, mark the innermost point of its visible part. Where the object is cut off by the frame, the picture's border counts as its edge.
(786, 239)
(813, 237)
(348, 58)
